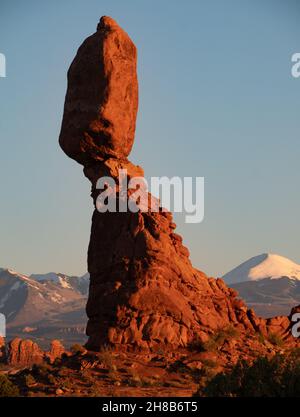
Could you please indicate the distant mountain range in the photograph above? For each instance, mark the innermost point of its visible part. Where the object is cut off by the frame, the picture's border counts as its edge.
(45, 306)
(50, 306)
(268, 283)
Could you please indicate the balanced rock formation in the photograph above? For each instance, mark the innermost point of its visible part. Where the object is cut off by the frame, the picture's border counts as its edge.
(102, 97)
(144, 291)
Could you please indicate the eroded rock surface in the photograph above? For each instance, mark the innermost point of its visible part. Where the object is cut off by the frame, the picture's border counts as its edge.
(144, 291)
(24, 352)
(56, 350)
(102, 97)
(2, 348)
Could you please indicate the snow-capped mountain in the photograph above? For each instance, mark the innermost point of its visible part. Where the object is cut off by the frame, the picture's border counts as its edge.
(78, 283)
(45, 305)
(269, 283)
(267, 265)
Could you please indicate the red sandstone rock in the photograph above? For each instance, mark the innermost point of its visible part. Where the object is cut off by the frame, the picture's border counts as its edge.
(102, 98)
(24, 353)
(139, 298)
(56, 350)
(2, 348)
(144, 291)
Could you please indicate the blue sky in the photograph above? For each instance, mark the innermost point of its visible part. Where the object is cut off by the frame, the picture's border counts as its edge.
(217, 99)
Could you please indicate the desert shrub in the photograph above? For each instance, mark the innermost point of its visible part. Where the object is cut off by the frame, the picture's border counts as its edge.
(67, 384)
(7, 388)
(51, 379)
(29, 380)
(261, 338)
(295, 354)
(77, 349)
(64, 357)
(42, 369)
(106, 356)
(96, 390)
(275, 339)
(40, 373)
(230, 332)
(209, 363)
(87, 377)
(275, 377)
(206, 373)
(135, 381)
(218, 338)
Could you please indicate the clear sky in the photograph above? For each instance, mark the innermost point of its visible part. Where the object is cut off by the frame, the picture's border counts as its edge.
(217, 99)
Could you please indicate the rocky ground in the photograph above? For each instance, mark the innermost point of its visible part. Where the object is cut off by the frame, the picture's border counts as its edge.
(134, 373)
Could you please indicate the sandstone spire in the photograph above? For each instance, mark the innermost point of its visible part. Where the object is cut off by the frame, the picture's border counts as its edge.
(144, 291)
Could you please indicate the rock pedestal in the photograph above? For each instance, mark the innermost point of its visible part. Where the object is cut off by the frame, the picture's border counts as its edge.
(144, 291)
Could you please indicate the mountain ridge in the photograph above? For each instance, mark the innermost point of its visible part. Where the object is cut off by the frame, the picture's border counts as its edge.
(266, 265)
(268, 283)
(45, 307)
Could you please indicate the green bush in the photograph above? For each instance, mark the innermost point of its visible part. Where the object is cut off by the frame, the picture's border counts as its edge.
(275, 339)
(261, 338)
(218, 338)
(275, 377)
(7, 388)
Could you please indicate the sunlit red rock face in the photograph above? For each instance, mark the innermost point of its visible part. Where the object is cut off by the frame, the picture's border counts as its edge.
(25, 352)
(2, 348)
(56, 350)
(144, 291)
(102, 97)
